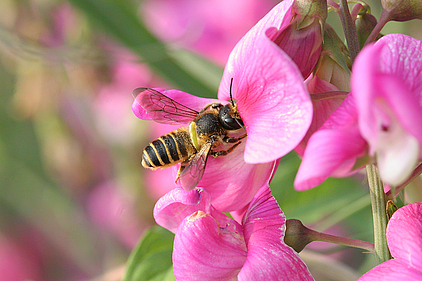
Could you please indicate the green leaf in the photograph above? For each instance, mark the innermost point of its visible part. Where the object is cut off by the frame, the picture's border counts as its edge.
(151, 259)
(169, 276)
(119, 19)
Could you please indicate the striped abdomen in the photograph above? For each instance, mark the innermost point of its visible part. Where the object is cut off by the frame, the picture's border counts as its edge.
(168, 150)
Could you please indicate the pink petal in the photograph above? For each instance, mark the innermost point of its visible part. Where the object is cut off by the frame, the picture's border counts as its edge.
(171, 209)
(278, 17)
(405, 64)
(392, 270)
(110, 209)
(329, 153)
(397, 154)
(21, 260)
(264, 228)
(404, 235)
(206, 250)
(271, 98)
(303, 45)
(231, 182)
(390, 72)
(208, 27)
(191, 101)
(332, 150)
(388, 94)
(325, 99)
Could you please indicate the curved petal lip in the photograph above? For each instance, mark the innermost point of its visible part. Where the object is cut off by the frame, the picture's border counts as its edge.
(264, 228)
(171, 209)
(206, 251)
(329, 153)
(391, 270)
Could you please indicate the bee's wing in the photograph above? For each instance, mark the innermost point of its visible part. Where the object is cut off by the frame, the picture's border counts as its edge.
(163, 109)
(192, 174)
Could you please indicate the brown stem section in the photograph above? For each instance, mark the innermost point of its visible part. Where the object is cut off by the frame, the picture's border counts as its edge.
(385, 17)
(349, 28)
(319, 236)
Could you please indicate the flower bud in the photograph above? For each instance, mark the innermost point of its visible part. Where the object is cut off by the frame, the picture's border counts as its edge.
(302, 37)
(305, 11)
(365, 23)
(390, 208)
(402, 10)
(334, 62)
(297, 235)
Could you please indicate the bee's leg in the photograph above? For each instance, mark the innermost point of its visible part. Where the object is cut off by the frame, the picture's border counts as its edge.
(228, 139)
(224, 152)
(182, 167)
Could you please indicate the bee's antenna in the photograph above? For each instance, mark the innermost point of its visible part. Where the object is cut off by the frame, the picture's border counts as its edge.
(231, 100)
(231, 97)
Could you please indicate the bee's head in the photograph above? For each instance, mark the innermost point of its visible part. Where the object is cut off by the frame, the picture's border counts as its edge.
(229, 117)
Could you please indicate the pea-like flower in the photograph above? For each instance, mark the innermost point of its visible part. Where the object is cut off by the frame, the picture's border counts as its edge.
(273, 103)
(380, 118)
(211, 246)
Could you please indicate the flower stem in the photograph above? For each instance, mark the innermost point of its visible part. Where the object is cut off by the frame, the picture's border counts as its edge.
(329, 95)
(379, 216)
(356, 9)
(385, 17)
(298, 236)
(349, 28)
(319, 236)
(333, 5)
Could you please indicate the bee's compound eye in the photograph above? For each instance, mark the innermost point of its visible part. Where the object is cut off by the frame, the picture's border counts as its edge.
(227, 120)
(232, 123)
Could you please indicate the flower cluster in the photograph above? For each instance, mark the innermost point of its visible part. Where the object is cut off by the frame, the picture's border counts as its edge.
(295, 88)
(378, 122)
(211, 246)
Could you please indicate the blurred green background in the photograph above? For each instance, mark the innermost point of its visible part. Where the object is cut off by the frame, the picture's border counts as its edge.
(74, 199)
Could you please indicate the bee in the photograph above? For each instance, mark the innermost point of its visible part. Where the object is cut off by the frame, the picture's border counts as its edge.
(191, 145)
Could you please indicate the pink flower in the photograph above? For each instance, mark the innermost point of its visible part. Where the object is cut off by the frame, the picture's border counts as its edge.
(300, 34)
(19, 261)
(273, 103)
(380, 118)
(271, 97)
(209, 27)
(329, 84)
(334, 149)
(404, 238)
(387, 86)
(111, 102)
(210, 246)
(325, 99)
(113, 211)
